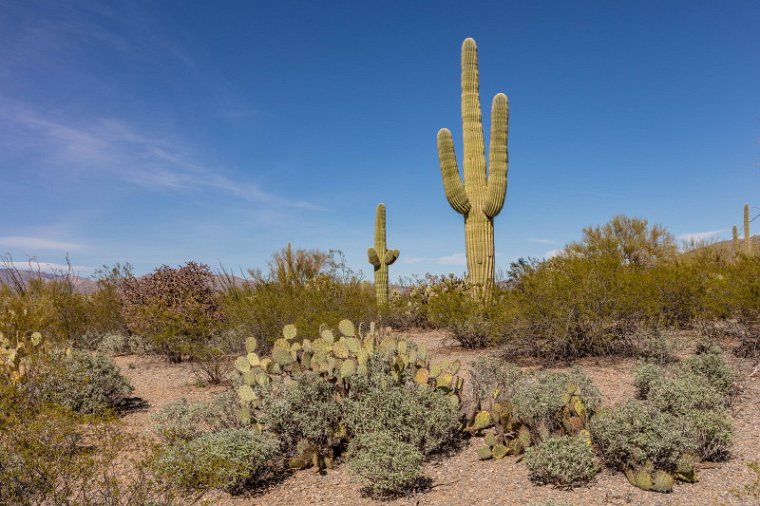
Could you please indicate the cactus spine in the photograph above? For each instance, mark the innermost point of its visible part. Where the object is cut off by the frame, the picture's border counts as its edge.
(380, 257)
(735, 239)
(747, 237)
(481, 197)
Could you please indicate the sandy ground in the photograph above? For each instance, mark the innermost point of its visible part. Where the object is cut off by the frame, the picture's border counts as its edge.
(461, 479)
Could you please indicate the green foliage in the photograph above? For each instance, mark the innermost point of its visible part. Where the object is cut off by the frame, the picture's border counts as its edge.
(306, 297)
(176, 309)
(564, 461)
(645, 375)
(683, 393)
(540, 400)
(631, 240)
(713, 367)
(712, 432)
(632, 434)
(84, 382)
(304, 410)
(493, 380)
(384, 464)
(181, 421)
(229, 459)
(425, 418)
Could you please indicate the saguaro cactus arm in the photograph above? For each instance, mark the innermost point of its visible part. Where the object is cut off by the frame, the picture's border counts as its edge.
(374, 259)
(390, 256)
(498, 157)
(452, 182)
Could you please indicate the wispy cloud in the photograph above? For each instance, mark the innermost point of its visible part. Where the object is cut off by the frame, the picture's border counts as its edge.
(541, 241)
(412, 260)
(552, 253)
(38, 243)
(700, 236)
(454, 259)
(115, 146)
(50, 267)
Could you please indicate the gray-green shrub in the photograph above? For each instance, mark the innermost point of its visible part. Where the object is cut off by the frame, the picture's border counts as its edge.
(564, 461)
(231, 459)
(712, 432)
(683, 393)
(424, 418)
(384, 464)
(87, 383)
(182, 420)
(538, 399)
(631, 434)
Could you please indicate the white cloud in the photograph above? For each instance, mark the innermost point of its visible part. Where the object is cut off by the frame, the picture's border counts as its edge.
(412, 260)
(700, 236)
(115, 146)
(455, 259)
(541, 241)
(50, 267)
(552, 253)
(38, 243)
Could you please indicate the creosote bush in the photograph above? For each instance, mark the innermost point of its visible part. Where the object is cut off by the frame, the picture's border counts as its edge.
(384, 464)
(563, 461)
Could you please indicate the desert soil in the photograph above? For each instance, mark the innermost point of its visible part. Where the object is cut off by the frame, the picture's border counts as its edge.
(462, 479)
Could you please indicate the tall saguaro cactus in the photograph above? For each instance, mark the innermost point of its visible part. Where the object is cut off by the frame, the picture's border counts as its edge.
(380, 257)
(747, 236)
(481, 196)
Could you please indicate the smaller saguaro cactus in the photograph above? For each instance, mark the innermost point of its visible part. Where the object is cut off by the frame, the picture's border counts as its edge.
(735, 239)
(747, 236)
(380, 257)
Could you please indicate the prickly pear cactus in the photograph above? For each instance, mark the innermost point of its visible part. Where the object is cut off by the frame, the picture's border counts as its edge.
(481, 196)
(380, 257)
(339, 357)
(15, 356)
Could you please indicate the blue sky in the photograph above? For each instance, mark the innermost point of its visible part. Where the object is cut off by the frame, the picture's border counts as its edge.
(160, 132)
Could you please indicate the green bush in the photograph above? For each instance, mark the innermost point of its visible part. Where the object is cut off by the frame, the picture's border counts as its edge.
(82, 381)
(493, 379)
(644, 376)
(304, 410)
(422, 417)
(714, 369)
(631, 434)
(712, 432)
(384, 464)
(538, 402)
(683, 393)
(181, 421)
(563, 461)
(231, 459)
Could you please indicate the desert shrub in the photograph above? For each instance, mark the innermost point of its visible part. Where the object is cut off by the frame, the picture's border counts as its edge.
(539, 402)
(644, 376)
(119, 344)
(182, 420)
(424, 418)
(82, 381)
(304, 410)
(685, 392)
(322, 291)
(653, 345)
(384, 464)
(749, 345)
(231, 459)
(712, 432)
(713, 367)
(493, 379)
(631, 434)
(564, 461)
(176, 309)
